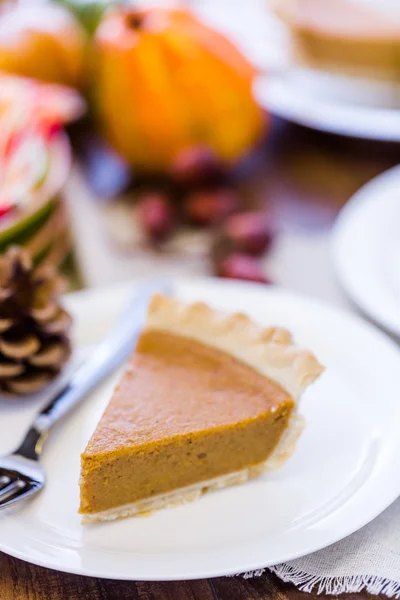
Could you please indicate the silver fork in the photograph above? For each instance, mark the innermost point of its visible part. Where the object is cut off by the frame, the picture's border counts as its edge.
(21, 474)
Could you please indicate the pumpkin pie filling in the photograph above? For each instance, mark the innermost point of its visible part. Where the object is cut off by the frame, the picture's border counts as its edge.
(186, 416)
(221, 417)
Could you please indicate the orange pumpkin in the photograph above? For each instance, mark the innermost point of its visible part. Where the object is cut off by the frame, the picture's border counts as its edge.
(42, 41)
(165, 81)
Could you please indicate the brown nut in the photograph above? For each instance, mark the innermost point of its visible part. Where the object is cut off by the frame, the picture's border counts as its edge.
(208, 207)
(242, 266)
(251, 233)
(156, 215)
(194, 165)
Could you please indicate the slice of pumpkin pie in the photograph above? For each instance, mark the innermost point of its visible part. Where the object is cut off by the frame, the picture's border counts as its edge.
(208, 400)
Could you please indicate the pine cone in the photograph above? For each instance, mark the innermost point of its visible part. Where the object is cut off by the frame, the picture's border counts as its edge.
(34, 328)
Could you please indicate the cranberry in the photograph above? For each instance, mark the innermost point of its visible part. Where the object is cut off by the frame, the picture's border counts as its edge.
(242, 266)
(210, 206)
(156, 215)
(252, 233)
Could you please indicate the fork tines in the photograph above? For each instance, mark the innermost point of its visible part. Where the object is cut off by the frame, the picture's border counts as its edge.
(11, 487)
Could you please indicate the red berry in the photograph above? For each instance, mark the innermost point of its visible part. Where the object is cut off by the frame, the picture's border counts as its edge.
(252, 233)
(156, 215)
(194, 165)
(242, 266)
(210, 206)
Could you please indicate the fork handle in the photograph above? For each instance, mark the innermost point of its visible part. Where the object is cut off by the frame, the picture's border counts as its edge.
(109, 355)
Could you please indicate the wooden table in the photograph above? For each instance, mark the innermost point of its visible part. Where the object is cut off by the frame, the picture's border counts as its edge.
(305, 177)
(21, 581)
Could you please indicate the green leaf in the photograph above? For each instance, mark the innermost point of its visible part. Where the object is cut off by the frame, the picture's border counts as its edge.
(89, 12)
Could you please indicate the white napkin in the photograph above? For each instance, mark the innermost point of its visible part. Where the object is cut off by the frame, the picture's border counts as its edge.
(367, 560)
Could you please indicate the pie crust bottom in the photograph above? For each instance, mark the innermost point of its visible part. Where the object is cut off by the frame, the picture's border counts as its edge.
(282, 452)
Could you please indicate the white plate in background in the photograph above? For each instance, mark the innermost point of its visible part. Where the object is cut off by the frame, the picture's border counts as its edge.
(366, 249)
(344, 472)
(317, 108)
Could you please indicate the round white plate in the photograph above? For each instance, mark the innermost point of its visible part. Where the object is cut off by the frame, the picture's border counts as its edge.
(344, 472)
(366, 249)
(302, 104)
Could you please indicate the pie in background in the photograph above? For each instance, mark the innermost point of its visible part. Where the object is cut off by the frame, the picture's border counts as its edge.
(347, 36)
(345, 50)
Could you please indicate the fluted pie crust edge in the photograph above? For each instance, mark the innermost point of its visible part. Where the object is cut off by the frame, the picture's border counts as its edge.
(269, 351)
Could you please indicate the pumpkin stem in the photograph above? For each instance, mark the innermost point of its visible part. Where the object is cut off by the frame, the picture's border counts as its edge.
(134, 20)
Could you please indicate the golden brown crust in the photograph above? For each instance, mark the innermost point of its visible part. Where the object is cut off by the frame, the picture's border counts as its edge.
(269, 351)
(175, 497)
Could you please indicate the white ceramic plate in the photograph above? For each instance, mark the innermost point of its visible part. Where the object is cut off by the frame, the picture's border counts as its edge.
(314, 107)
(344, 472)
(366, 249)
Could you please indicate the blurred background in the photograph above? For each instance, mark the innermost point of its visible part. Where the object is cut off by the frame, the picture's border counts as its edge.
(206, 137)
